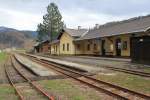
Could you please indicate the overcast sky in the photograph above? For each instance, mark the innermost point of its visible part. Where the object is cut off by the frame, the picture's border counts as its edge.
(26, 14)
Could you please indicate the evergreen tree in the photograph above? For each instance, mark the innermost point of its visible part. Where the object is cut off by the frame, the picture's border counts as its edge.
(52, 21)
(40, 32)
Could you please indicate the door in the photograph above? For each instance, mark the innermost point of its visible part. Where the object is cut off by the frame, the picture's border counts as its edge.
(103, 47)
(118, 47)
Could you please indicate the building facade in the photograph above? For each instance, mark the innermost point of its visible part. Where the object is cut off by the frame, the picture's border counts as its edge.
(55, 47)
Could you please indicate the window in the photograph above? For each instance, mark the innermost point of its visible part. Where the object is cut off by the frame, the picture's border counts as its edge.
(56, 48)
(88, 47)
(124, 45)
(112, 47)
(63, 47)
(78, 46)
(95, 46)
(119, 45)
(67, 46)
(48, 48)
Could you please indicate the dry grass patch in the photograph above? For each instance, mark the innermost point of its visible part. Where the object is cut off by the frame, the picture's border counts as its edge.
(3, 56)
(129, 81)
(68, 90)
(7, 93)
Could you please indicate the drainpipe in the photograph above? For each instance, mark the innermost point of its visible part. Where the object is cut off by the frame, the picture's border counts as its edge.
(59, 48)
(75, 48)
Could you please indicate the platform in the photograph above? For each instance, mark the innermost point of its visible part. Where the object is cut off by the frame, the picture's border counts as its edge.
(34, 67)
(82, 67)
(106, 58)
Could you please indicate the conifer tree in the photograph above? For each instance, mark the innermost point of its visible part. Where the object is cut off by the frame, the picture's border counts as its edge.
(52, 21)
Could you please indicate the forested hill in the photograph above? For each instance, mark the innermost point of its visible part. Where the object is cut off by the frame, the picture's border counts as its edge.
(10, 37)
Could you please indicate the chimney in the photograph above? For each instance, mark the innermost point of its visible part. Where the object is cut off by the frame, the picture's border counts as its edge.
(79, 27)
(96, 26)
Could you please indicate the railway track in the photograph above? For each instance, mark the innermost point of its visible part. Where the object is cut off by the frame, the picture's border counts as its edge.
(129, 71)
(125, 70)
(108, 88)
(28, 85)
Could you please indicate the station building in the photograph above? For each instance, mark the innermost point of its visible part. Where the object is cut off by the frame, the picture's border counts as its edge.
(111, 39)
(115, 38)
(64, 45)
(129, 38)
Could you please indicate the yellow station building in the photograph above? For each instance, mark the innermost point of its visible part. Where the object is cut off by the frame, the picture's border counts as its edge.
(111, 39)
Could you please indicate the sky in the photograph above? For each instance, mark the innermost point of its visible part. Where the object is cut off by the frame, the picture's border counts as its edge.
(27, 14)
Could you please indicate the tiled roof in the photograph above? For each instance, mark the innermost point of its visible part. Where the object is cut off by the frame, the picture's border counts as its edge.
(54, 41)
(116, 28)
(36, 44)
(76, 32)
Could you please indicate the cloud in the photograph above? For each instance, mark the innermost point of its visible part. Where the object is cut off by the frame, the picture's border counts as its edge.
(19, 20)
(26, 14)
(88, 19)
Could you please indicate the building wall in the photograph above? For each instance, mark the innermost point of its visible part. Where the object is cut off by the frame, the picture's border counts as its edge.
(45, 47)
(36, 49)
(55, 49)
(88, 47)
(110, 45)
(81, 47)
(64, 40)
(126, 52)
(40, 48)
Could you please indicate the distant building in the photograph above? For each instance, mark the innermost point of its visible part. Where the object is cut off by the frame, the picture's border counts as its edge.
(36, 47)
(42, 47)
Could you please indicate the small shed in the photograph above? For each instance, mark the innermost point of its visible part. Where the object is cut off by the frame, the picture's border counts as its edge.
(140, 49)
(45, 46)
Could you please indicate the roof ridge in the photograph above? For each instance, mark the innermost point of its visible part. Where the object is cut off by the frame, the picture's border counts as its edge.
(110, 24)
(84, 33)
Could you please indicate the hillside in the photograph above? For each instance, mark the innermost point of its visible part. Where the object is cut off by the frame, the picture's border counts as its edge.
(15, 38)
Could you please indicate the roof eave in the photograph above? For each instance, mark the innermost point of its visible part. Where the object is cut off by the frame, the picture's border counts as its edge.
(134, 32)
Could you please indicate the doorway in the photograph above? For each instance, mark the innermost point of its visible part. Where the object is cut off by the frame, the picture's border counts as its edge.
(118, 47)
(103, 47)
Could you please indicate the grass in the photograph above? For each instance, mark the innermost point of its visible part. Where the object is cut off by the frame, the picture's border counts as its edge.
(69, 90)
(129, 81)
(147, 69)
(7, 93)
(3, 56)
